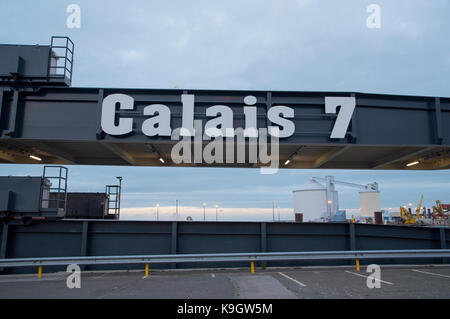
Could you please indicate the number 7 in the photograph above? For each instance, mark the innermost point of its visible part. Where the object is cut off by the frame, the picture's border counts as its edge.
(347, 105)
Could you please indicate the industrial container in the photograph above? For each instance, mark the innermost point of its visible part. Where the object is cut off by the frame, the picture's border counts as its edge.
(340, 216)
(21, 194)
(378, 218)
(86, 205)
(311, 200)
(369, 203)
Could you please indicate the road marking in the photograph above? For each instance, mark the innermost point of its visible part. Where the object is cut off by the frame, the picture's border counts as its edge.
(296, 281)
(383, 281)
(212, 275)
(430, 273)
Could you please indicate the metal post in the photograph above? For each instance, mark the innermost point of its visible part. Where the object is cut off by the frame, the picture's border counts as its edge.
(263, 242)
(100, 134)
(120, 193)
(438, 118)
(443, 241)
(40, 272)
(352, 239)
(146, 270)
(252, 267)
(263, 237)
(84, 239)
(173, 244)
(4, 245)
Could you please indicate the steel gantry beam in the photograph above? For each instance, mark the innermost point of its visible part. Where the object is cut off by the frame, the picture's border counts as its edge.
(67, 124)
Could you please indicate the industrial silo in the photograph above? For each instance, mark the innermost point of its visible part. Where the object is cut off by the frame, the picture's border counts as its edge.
(311, 200)
(369, 203)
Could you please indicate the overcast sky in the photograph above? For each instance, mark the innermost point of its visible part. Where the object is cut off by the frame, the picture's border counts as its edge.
(278, 45)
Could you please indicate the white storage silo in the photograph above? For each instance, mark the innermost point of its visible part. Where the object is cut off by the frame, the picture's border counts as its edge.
(369, 203)
(311, 200)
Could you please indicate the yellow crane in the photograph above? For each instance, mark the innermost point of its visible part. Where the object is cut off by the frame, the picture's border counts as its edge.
(419, 207)
(438, 210)
(407, 217)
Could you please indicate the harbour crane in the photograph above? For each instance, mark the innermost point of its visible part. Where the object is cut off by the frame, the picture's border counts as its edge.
(407, 217)
(330, 183)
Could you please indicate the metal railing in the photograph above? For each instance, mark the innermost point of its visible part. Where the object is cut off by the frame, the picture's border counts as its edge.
(61, 48)
(226, 257)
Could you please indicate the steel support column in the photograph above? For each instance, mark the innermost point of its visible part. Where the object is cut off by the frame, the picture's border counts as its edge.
(352, 239)
(443, 241)
(84, 239)
(438, 115)
(4, 244)
(173, 241)
(15, 114)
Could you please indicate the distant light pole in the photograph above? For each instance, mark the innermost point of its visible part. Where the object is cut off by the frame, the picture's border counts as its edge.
(279, 213)
(204, 211)
(120, 193)
(330, 202)
(217, 214)
(273, 210)
(157, 211)
(176, 212)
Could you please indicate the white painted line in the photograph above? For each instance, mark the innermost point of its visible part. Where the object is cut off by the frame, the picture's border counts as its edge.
(296, 281)
(430, 273)
(383, 281)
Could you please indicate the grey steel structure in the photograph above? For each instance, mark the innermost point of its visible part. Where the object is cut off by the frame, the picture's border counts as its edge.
(69, 238)
(41, 115)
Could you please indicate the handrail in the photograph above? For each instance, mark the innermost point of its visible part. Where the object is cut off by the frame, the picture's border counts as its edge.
(225, 257)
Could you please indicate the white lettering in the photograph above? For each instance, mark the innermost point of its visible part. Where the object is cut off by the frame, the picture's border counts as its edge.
(125, 125)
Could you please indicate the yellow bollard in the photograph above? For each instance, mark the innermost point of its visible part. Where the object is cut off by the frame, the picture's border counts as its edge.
(252, 267)
(357, 264)
(40, 272)
(146, 270)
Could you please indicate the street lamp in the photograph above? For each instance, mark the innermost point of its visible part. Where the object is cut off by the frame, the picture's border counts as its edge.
(204, 211)
(279, 213)
(120, 193)
(157, 211)
(330, 202)
(273, 210)
(217, 215)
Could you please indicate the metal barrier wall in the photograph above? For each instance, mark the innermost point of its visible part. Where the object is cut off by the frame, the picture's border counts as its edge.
(113, 238)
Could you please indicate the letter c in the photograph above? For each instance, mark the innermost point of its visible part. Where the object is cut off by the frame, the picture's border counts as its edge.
(125, 125)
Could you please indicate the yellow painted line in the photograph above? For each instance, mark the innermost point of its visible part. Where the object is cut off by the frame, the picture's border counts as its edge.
(383, 281)
(290, 278)
(430, 273)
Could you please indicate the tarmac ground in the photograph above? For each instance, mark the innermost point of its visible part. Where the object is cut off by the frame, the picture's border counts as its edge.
(395, 282)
